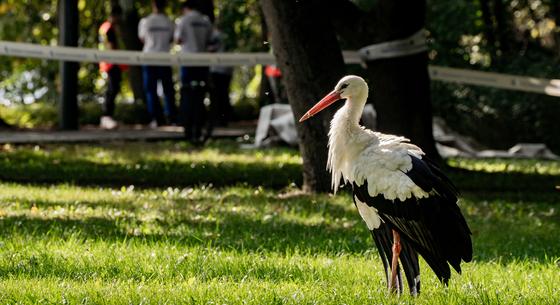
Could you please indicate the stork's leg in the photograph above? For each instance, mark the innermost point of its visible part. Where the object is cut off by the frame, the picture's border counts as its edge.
(393, 284)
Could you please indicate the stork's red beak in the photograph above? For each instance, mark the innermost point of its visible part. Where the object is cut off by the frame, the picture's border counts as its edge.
(322, 104)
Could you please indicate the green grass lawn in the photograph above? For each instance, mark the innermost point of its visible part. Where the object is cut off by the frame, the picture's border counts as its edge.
(100, 226)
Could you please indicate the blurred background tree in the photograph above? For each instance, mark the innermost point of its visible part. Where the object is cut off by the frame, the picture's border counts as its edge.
(399, 86)
(514, 36)
(509, 36)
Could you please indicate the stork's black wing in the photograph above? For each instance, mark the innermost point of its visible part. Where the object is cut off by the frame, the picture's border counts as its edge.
(383, 237)
(434, 226)
(443, 197)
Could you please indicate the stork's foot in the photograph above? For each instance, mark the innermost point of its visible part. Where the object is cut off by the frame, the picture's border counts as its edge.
(393, 282)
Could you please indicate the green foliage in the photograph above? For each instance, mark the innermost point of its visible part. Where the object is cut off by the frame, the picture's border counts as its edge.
(29, 116)
(44, 115)
(241, 21)
(22, 78)
(497, 118)
(365, 5)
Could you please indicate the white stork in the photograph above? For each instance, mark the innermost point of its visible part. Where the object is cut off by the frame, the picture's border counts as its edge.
(407, 203)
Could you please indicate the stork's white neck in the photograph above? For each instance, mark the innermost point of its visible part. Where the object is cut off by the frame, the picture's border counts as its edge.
(346, 138)
(345, 124)
(354, 107)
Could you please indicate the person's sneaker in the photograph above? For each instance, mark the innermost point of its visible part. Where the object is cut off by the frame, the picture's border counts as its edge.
(153, 124)
(108, 122)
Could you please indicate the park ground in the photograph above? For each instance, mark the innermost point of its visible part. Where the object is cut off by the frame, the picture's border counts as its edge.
(165, 223)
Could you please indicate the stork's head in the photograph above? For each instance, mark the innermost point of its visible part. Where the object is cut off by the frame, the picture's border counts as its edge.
(348, 87)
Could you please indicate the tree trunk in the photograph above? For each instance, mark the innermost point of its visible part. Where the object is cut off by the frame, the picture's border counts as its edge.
(310, 59)
(129, 36)
(488, 20)
(401, 96)
(68, 104)
(5, 125)
(265, 94)
(207, 8)
(503, 28)
(555, 12)
(400, 86)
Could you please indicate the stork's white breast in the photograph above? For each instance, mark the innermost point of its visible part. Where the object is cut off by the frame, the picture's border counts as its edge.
(384, 170)
(369, 214)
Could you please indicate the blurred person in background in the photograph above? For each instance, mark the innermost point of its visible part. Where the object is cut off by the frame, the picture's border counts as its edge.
(109, 39)
(156, 32)
(221, 111)
(193, 33)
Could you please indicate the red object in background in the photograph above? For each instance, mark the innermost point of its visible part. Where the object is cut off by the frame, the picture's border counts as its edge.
(107, 33)
(272, 71)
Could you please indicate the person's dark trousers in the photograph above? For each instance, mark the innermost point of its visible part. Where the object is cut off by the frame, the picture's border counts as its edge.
(153, 74)
(220, 106)
(114, 77)
(194, 82)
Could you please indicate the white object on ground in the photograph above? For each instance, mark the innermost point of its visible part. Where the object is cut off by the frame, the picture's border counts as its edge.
(108, 122)
(153, 124)
(277, 126)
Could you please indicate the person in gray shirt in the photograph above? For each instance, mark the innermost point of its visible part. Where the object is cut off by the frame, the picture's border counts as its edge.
(193, 33)
(156, 32)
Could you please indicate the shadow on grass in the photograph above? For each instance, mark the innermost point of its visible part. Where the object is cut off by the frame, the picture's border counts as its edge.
(233, 231)
(470, 180)
(29, 167)
(151, 173)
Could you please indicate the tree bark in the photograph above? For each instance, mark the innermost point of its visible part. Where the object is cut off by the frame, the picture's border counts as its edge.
(310, 59)
(555, 12)
(503, 28)
(129, 36)
(400, 86)
(488, 20)
(207, 8)
(265, 95)
(401, 96)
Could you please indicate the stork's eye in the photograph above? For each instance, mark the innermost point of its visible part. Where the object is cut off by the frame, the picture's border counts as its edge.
(343, 86)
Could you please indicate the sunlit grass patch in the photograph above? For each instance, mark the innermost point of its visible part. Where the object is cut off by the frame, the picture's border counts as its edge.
(155, 164)
(526, 166)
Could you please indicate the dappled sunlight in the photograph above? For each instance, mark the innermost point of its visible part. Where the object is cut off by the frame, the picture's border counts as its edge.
(245, 239)
(114, 214)
(217, 215)
(227, 241)
(163, 164)
(245, 218)
(139, 154)
(541, 167)
(474, 53)
(178, 165)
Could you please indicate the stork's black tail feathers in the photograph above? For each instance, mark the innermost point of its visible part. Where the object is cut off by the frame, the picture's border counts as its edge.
(383, 237)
